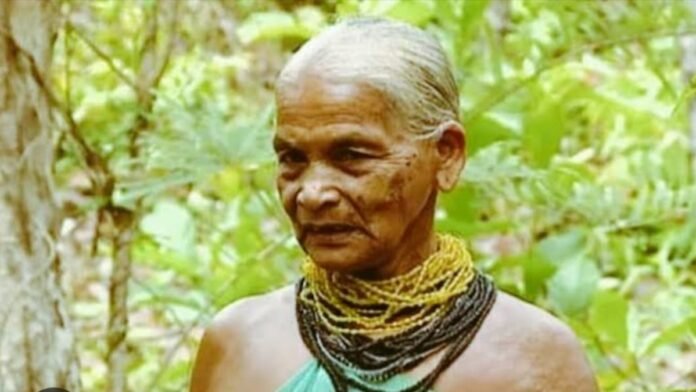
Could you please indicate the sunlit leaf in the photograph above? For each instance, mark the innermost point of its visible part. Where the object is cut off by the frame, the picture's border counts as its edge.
(571, 288)
(271, 25)
(172, 226)
(609, 316)
(543, 129)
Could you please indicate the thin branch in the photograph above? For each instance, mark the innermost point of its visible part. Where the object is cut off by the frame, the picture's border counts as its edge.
(170, 44)
(105, 57)
(147, 81)
(68, 56)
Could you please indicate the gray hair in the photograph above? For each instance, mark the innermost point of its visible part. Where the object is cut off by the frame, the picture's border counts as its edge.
(406, 64)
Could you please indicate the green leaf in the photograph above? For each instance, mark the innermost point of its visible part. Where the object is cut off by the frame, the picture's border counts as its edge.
(271, 25)
(543, 130)
(444, 14)
(571, 288)
(463, 203)
(416, 12)
(172, 226)
(609, 317)
(488, 129)
(471, 12)
(311, 17)
(562, 247)
(537, 271)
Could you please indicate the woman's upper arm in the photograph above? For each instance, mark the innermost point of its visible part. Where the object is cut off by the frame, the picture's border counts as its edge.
(566, 364)
(217, 360)
(210, 354)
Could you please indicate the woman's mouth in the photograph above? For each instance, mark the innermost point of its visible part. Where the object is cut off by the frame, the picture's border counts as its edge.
(331, 228)
(329, 233)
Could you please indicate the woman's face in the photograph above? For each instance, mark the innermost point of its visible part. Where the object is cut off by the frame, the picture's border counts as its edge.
(358, 189)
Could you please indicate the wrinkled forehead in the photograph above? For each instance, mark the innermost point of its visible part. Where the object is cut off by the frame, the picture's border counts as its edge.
(318, 96)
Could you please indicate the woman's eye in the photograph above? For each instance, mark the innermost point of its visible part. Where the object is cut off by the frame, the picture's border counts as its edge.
(349, 155)
(292, 157)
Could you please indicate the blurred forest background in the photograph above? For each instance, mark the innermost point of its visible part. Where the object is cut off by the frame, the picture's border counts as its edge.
(579, 194)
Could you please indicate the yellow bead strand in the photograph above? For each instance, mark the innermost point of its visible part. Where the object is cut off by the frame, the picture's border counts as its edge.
(350, 305)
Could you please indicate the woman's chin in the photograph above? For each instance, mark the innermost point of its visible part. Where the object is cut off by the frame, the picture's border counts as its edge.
(338, 260)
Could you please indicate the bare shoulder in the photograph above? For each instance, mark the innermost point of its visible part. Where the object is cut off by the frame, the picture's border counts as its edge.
(254, 312)
(243, 338)
(534, 350)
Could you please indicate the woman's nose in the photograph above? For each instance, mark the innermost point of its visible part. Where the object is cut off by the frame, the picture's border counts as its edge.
(316, 195)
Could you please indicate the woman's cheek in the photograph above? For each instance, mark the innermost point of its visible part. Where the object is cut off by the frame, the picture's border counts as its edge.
(286, 191)
(378, 192)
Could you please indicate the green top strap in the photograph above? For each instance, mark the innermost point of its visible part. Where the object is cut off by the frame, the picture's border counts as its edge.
(313, 378)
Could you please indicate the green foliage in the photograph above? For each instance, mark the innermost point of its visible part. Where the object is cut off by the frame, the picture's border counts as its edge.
(579, 193)
(571, 288)
(613, 328)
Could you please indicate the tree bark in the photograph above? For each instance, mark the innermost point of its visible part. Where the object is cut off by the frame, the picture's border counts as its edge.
(36, 339)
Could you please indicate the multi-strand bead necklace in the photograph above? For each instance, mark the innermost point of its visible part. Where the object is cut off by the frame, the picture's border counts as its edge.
(364, 331)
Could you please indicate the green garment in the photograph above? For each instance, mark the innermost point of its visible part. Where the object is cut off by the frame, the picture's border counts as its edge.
(313, 378)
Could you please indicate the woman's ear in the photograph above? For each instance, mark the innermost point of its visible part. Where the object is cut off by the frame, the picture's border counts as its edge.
(451, 152)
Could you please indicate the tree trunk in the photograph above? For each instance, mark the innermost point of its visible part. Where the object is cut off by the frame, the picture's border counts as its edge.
(36, 339)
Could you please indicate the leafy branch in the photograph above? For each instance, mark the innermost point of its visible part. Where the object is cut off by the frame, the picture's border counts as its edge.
(561, 59)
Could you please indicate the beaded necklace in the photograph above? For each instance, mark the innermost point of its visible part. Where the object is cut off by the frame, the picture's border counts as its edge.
(368, 331)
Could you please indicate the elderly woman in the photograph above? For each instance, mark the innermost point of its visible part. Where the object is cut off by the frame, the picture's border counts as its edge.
(367, 136)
